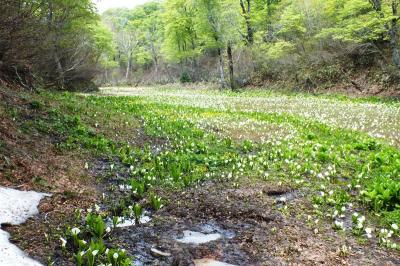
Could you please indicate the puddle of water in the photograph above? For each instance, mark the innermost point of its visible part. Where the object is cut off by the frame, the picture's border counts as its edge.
(210, 262)
(213, 228)
(127, 222)
(191, 237)
(123, 188)
(285, 197)
(15, 208)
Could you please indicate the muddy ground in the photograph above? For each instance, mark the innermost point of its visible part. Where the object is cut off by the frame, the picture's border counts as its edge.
(254, 226)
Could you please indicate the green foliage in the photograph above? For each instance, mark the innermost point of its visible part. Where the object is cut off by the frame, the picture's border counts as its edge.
(383, 194)
(96, 225)
(185, 78)
(155, 201)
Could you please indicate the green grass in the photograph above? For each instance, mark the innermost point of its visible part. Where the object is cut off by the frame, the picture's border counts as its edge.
(346, 171)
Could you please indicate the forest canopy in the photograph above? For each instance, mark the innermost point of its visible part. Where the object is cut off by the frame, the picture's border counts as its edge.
(248, 42)
(305, 44)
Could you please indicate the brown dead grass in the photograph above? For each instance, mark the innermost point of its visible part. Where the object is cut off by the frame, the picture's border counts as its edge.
(30, 161)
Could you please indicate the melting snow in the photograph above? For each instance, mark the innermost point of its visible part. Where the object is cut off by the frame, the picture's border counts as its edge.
(15, 208)
(191, 237)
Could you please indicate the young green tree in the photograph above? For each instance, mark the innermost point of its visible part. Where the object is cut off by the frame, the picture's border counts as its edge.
(180, 37)
(218, 27)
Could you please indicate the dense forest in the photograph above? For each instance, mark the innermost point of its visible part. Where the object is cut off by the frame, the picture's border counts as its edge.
(304, 43)
(300, 44)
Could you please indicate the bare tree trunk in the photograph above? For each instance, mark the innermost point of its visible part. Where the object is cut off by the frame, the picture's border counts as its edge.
(393, 32)
(269, 32)
(128, 68)
(246, 14)
(221, 69)
(230, 60)
(59, 69)
(392, 29)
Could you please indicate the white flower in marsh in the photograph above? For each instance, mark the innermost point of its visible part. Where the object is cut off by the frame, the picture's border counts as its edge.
(368, 232)
(86, 166)
(63, 242)
(95, 252)
(361, 219)
(395, 227)
(108, 229)
(75, 231)
(83, 253)
(106, 252)
(97, 207)
(89, 210)
(339, 225)
(115, 256)
(360, 225)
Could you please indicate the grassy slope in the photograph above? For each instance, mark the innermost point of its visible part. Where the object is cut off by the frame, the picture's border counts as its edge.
(336, 165)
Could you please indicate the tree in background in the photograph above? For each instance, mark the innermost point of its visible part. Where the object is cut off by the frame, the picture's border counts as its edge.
(180, 38)
(304, 43)
(218, 27)
(51, 41)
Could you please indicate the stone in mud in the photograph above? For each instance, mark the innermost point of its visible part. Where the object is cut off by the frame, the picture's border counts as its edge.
(158, 253)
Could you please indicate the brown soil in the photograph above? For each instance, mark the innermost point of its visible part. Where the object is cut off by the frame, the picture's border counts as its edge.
(30, 161)
(255, 231)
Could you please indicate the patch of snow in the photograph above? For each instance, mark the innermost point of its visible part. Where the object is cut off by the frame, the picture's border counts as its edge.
(191, 237)
(15, 208)
(210, 262)
(12, 255)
